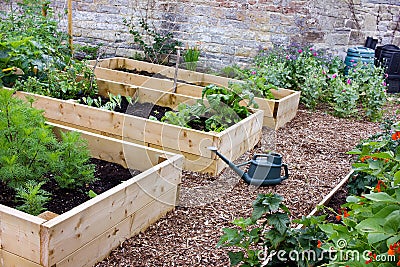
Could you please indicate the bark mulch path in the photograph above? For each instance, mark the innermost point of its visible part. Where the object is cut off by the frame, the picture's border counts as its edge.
(313, 144)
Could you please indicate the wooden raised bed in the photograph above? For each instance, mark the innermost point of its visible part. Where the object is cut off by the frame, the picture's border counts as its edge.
(88, 232)
(193, 144)
(276, 112)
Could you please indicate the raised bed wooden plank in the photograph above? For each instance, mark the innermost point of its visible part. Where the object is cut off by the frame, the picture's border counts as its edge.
(20, 233)
(140, 80)
(328, 197)
(198, 78)
(152, 133)
(8, 259)
(137, 222)
(46, 243)
(276, 112)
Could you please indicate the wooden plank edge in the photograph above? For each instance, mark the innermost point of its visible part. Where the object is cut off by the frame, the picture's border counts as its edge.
(132, 225)
(8, 259)
(328, 197)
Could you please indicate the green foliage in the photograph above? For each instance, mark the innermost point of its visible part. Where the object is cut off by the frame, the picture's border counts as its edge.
(73, 168)
(345, 97)
(222, 108)
(369, 154)
(27, 142)
(155, 45)
(320, 78)
(87, 51)
(33, 48)
(268, 231)
(191, 57)
(30, 151)
(370, 82)
(33, 198)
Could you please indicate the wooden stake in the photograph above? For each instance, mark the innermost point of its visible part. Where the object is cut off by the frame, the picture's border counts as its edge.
(178, 56)
(70, 26)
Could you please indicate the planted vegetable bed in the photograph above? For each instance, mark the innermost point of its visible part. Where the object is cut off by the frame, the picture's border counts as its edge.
(234, 141)
(87, 233)
(277, 112)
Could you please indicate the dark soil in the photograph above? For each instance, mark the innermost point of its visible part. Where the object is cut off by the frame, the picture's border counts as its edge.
(154, 75)
(109, 175)
(146, 109)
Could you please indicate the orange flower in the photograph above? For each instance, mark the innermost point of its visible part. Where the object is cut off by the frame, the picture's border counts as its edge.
(378, 186)
(395, 136)
(390, 251)
(338, 217)
(319, 244)
(345, 214)
(363, 159)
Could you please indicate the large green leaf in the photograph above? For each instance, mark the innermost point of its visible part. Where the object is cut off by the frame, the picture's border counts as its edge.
(383, 155)
(380, 197)
(377, 237)
(371, 225)
(392, 223)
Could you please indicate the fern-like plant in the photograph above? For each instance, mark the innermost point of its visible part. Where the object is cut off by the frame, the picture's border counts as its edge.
(33, 198)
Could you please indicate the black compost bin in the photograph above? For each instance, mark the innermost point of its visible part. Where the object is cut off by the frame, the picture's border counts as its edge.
(388, 56)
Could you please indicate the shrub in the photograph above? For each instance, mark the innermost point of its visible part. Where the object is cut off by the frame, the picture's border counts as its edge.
(154, 44)
(321, 79)
(33, 48)
(30, 151)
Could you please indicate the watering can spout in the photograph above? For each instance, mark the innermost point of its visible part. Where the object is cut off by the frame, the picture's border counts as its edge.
(241, 173)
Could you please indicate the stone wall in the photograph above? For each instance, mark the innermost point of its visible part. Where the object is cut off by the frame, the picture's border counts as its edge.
(232, 32)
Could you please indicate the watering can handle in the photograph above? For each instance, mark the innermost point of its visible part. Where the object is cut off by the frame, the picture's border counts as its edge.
(260, 155)
(286, 171)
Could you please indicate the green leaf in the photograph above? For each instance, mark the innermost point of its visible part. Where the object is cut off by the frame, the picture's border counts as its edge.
(377, 237)
(392, 240)
(235, 257)
(355, 151)
(383, 155)
(274, 237)
(380, 197)
(392, 223)
(92, 194)
(371, 225)
(327, 228)
(280, 221)
(397, 178)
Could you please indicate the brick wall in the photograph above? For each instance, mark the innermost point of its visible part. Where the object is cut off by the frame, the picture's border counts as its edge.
(231, 32)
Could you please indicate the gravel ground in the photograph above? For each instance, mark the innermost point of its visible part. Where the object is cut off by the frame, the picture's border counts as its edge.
(313, 144)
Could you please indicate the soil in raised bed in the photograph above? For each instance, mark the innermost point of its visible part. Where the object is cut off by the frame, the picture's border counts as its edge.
(154, 75)
(62, 200)
(147, 110)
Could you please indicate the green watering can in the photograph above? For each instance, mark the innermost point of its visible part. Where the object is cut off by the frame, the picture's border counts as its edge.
(264, 169)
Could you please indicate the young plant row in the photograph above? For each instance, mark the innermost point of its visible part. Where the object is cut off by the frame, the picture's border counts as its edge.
(219, 108)
(367, 227)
